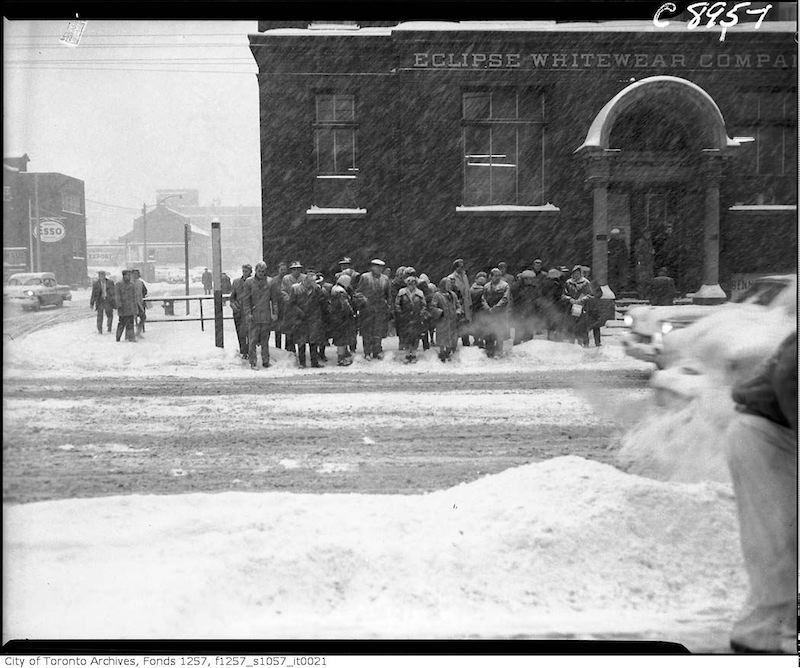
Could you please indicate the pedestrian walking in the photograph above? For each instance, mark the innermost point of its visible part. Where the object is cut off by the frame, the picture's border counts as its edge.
(495, 301)
(225, 283)
(460, 284)
(374, 306)
(239, 315)
(260, 311)
(305, 311)
(207, 281)
(411, 317)
(141, 305)
(762, 457)
(594, 311)
(125, 300)
(579, 291)
(444, 310)
(662, 290)
(102, 299)
(341, 320)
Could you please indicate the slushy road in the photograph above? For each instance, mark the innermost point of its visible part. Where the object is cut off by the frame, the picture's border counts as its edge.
(91, 436)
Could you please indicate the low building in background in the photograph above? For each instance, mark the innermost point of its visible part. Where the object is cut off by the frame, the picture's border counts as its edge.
(44, 222)
(164, 238)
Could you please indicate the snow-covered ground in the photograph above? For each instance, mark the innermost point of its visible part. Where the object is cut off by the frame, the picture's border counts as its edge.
(562, 546)
(181, 348)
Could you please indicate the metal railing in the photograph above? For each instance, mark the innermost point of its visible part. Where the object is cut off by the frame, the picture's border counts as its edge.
(167, 302)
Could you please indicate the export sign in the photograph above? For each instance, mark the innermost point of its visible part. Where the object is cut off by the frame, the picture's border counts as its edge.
(49, 230)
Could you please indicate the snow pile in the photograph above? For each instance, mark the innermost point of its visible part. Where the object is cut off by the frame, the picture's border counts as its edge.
(563, 546)
(183, 349)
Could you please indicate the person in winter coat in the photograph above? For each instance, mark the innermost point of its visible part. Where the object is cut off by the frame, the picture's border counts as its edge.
(127, 308)
(326, 288)
(208, 281)
(225, 283)
(524, 300)
(662, 290)
(259, 309)
(762, 458)
(593, 310)
(411, 317)
(495, 302)
(579, 291)
(294, 276)
(478, 322)
(444, 316)
(551, 305)
(102, 299)
(459, 280)
(374, 309)
(342, 319)
(277, 286)
(306, 306)
(141, 306)
(239, 316)
(424, 286)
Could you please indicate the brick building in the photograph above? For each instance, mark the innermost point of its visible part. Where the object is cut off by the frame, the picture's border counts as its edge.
(425, 141)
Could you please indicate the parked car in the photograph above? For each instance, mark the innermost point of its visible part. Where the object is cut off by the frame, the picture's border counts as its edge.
(652, 327)
(34, 290)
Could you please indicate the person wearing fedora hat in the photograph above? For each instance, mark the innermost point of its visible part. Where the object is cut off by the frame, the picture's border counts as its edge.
(102, 298)
(373, 297)
(294, 276)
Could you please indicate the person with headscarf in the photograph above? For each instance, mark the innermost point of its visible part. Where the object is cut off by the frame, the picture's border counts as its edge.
(411, 316)
(478, 322)
(374, 309)
(444, 310)
(495, 302)
(579, 291)
(460, 284)
(425, 287)
(341, 319)
(305, 310)
(259, 310)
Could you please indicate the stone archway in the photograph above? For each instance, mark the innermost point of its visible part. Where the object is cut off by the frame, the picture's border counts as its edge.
(709, 143)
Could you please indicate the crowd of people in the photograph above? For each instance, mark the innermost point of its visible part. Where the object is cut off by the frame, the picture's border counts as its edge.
(307, 313)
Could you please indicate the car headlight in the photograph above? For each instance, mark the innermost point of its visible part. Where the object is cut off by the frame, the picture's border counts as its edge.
(666, 327)
(29, 293)
(628, 320)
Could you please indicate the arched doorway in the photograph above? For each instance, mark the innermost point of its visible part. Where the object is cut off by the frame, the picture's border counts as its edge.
(653, 159)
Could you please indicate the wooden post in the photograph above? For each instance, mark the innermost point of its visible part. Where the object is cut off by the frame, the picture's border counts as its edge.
(186, 232)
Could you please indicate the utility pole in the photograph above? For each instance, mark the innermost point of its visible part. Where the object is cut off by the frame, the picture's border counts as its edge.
(186, 233)
(144, 239)
(30, 234)
(38, 223)
(216, 256)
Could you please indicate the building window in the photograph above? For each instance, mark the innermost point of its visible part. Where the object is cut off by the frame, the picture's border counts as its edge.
(335, 151)
(770, 117)
(503, 143)
(77, 249)
(71, 202)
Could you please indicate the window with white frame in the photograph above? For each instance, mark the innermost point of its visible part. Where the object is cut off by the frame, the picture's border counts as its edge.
(503, 144)
(335, 135)
(770, 117)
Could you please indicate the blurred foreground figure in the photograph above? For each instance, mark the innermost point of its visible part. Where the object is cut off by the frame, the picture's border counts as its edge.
(762, 456)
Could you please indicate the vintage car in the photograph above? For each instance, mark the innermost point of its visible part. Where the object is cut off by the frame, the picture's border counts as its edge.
(34, 290)
(652, 336)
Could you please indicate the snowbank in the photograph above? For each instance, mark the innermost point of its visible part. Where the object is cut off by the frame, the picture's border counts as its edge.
(182, 349)
(562, 546)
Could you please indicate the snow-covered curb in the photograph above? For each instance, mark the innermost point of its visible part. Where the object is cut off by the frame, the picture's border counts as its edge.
(562, 546)
(182, 349)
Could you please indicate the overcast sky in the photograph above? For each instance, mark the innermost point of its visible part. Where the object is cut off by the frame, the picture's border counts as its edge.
(137, 106)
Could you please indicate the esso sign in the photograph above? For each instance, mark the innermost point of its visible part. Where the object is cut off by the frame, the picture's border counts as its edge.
(50, 231)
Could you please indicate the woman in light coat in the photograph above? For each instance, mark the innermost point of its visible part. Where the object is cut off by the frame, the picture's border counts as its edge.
(411, 317)
(445, 310)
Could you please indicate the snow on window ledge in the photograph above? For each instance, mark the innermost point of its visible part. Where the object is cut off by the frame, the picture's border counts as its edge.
(763, 208)
(323, 211)
(508, 208)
